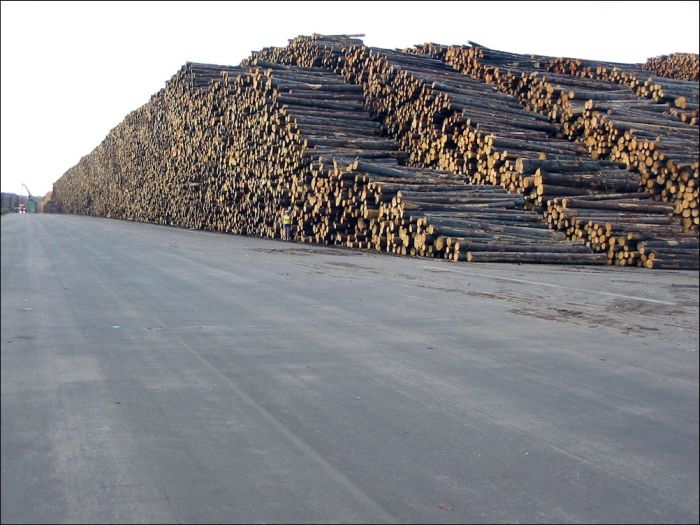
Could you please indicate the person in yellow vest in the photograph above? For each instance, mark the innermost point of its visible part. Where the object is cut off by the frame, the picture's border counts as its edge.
(287, 225)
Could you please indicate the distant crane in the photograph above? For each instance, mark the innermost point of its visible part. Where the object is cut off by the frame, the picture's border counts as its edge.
(29, 206)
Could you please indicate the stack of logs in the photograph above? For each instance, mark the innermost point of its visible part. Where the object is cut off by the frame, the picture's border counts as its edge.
(681, 66)
(228, 149)
(358, 195)
(277, 137)
(150, 167)
(610, 121)
(681, 95)
(434, 214)
(633, 230)
(47, 204)
(450, 123)
(624, 133)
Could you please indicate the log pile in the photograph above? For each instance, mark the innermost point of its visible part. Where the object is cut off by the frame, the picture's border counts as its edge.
(269, 138)
(435, 214)
(151, 166)
(47, 204)
(630, 229)
(661, 150)
(681, 96)
(228, 149)
(612, 122)
(680, 66)
(322, 51)
(356, 194)
(447, 121)
(641, 134)
(430, 112)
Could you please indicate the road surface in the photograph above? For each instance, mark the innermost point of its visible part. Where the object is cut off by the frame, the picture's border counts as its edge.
(154, 374)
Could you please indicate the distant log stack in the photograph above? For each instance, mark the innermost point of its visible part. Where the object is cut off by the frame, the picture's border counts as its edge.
(152, 165)
(680, 66)
(47, 204)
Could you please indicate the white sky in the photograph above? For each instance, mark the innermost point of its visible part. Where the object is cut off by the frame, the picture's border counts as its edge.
(71, 71)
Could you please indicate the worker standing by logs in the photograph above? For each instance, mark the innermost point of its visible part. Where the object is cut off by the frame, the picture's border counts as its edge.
(287, 225)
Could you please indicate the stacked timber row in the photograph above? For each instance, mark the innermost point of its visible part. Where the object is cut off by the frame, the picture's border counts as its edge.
(419, 102)
(330, 130)
(432, 213)
(451, 122)
(612, 122)
(632, 229)
(347, 186)
(47, 204)
(252, 145)
(645, 136)
(680, 95)
(357, 194)
(681, 66)
(152, 165)
(323, 51)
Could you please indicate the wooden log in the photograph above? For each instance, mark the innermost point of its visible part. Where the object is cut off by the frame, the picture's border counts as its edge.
(534, 257)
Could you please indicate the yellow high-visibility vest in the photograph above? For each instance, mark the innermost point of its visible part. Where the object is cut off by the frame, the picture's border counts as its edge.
(287, 219)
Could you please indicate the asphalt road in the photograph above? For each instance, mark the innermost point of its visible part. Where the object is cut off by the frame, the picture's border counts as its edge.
(153, 374)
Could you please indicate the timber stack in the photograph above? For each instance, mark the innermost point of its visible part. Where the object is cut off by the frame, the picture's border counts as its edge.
(275, 137)
(681, 96)
(681, 66)
(631, 229)
(448, 121)
(432, 213)
(47, 204)
(373, 149)
(152, 165)
(611, 121)
(429, 110)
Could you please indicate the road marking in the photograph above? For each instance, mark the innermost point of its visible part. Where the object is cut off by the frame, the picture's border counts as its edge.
(538, 283)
